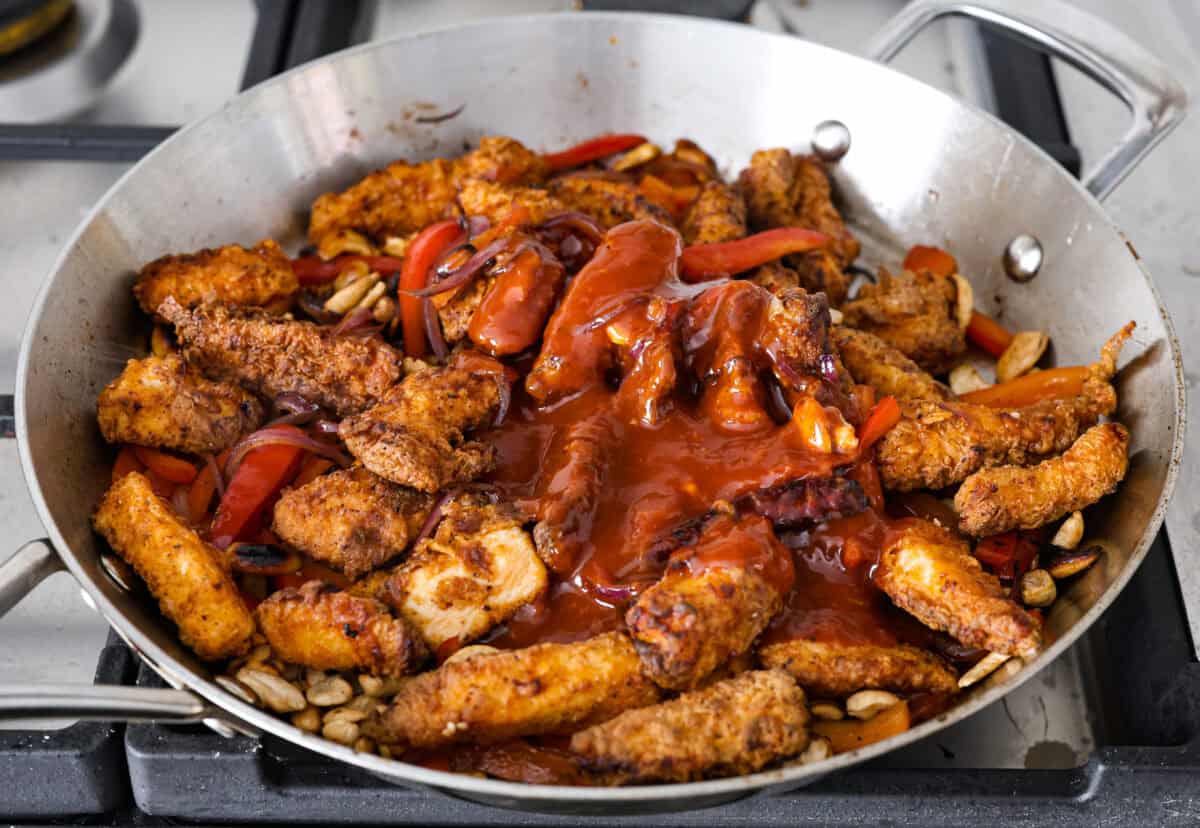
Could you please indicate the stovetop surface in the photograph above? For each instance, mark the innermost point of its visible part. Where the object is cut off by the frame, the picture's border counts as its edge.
(1061, 719)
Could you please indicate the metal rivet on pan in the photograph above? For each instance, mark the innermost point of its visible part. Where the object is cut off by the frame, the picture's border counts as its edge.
(118, 571)
(1023, 258)
(831, 140)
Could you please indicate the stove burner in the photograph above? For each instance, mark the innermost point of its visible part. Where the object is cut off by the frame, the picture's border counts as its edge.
(57, 57)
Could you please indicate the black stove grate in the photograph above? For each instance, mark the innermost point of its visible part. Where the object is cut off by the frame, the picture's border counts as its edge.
(160, 774)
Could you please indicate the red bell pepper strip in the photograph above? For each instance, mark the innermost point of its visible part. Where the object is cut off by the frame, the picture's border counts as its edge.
(313, 270)
(988, 335)
(1051, 384)
(162, 487)
(883, 415)
(425, 250)
(593, 149)
(933, 259)
(262, 473)
(201, 493)
(706, 261)
(310, 571)
(1009, 555)
(175, 469)
(125, 463)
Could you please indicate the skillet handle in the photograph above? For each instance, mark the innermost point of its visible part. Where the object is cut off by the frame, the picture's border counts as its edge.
(1156, 101)
(31, 564)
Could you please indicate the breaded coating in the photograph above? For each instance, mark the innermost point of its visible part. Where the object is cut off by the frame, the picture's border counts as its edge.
(495, 201)
(319, 626)
(493, 697)
(873, 362)
(736, 726)
(158, 402)
(416, 435)
(697, 617)
(938, 444)
(782, 190)
(182, 572)
(915, 314)
(477, 570)
(996, 500)
(930, 572)
(260, 276)
(272, 356)
(608, 202)
(351, 519)
(456, 314)
(717, 215)
(776, 277)
(832, 669)
(402, 198)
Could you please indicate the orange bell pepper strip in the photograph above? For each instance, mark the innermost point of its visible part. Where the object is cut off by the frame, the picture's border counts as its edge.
(706, 261)
(263, 472)
(313, 270)
(313, 468)
(933, 259)
(850, 734)
(310, 571)
(125, 463)
(882, 417)
(1051, 384)
(423, 253)
(166, 466)
(201, 493)
(988, 335)
(675, 200)
(593, 149)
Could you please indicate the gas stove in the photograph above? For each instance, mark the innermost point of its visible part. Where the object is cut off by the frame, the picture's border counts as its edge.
(1107, 732)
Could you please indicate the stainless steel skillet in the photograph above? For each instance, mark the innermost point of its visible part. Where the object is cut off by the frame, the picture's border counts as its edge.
(922, 167)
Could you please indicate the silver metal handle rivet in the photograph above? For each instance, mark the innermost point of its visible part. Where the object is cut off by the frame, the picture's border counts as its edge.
(831, 140)
(1023, 257)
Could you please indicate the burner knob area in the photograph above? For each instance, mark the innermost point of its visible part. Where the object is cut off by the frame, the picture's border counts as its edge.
(831, 140)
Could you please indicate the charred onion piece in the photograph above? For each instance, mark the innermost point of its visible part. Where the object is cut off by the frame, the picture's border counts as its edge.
(263, 559)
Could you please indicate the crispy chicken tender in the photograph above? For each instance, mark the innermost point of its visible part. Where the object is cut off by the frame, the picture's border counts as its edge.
(736, 726)
(776, 277)
(496, 201)
(873, 362)
(939, 444)
(183, 572)
(833, 669)
(493, 697)
(319, 626)
(915, 314)
(272, 356)
(717, 215)
(233, 275)
(157, 401)
(608, 202)
(477, 570)
(352, 520)
(402, 198)
(783, 190)
(996, 500)
(416, 435)
(930, 572)
(697, 617)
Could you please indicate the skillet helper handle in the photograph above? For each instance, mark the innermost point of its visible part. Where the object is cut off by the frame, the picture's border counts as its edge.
(19, 575)
(1156, 101)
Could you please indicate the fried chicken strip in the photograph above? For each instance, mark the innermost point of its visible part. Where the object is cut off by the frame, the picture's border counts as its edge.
(873, 362)
(937, 444)
(717, 215)
(319, 626)
(351, 519)
(608, 202)
(260, 276)
(183, 573)
(717, 596)
(157, 401)
(736, 726)
(402, 198)
(272, 356)
(417, 435)
(930, 572)
(915, 313)
(996, 500)
(833, 669)
(478, 569)
(493, 697)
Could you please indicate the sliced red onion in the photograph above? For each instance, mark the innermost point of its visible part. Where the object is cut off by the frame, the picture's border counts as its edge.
(505, 390)
(351, 322)
(435, 514)
(477, 225)
(218, 478)
(327, 426)
(277, 436)
(299, 410)
(581, 223)
(433, 331)
(179, 501)
(829, 369)
(314, 307)
(465, 273)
